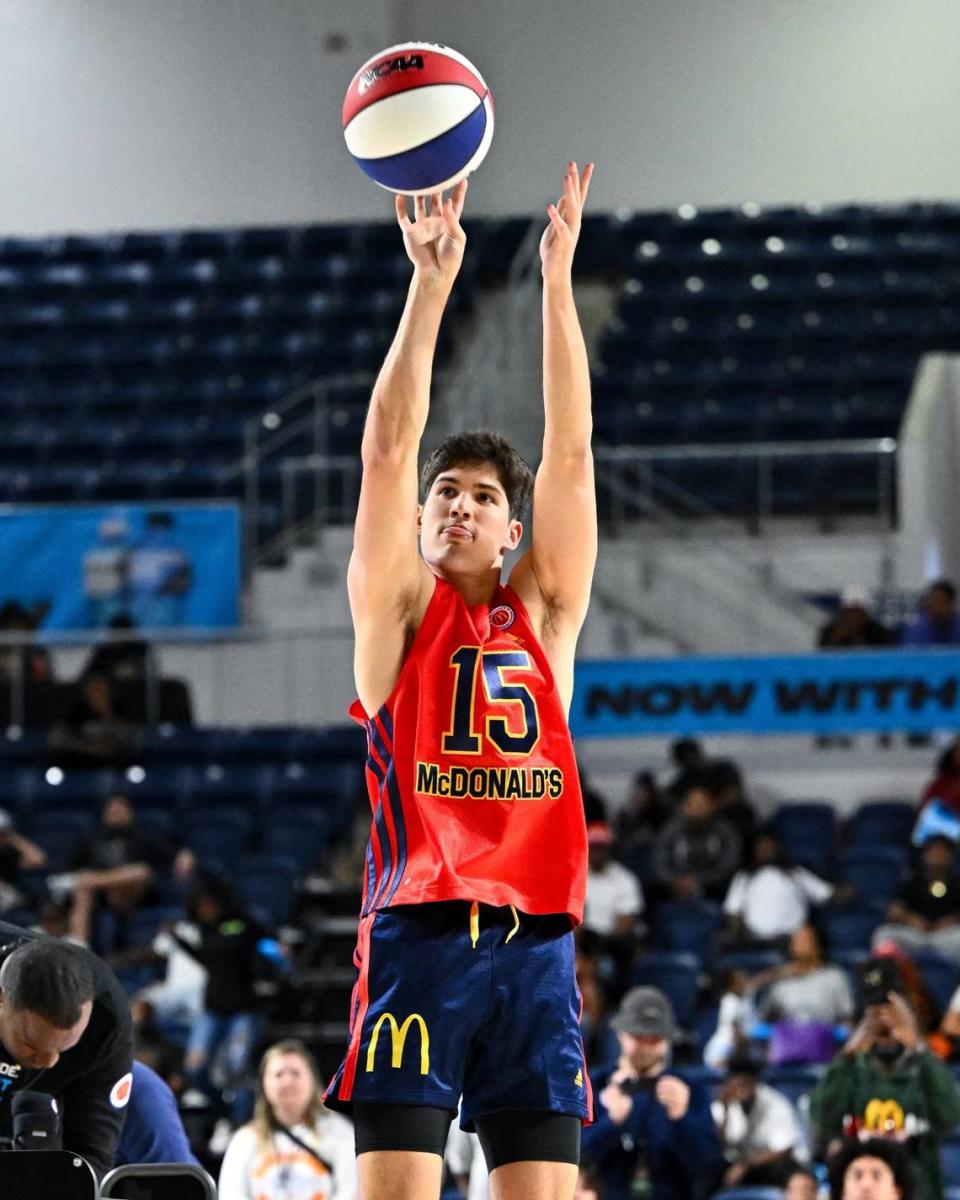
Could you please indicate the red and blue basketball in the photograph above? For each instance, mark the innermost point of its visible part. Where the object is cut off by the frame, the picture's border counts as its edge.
(418, 118)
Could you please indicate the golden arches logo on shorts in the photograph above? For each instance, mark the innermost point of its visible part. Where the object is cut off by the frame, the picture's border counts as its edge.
(398, 1039)
(883, 1116)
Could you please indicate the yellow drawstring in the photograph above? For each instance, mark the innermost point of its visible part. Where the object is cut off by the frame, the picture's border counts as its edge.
(516, 924)
(475, 923)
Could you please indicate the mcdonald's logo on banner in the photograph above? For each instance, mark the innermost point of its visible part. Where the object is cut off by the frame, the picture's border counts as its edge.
(398, 1039)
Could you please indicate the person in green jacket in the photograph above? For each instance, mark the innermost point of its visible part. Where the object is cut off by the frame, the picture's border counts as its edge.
(885, 1084)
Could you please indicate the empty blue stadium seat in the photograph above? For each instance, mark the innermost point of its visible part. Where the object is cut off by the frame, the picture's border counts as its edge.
(874, 871)
(225, 833)
(793, 1081)
(677, 975)
(266, 884)
(848, 927)
(950, 1164)
(686, 926)
(940, 978)
(882, 822)
(807, 832)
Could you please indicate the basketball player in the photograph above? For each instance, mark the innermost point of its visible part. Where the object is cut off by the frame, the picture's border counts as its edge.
(477, 859)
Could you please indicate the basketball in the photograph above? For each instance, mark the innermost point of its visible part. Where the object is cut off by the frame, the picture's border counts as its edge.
(418, 118)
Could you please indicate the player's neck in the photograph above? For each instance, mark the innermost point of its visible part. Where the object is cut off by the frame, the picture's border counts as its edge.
(479, 588)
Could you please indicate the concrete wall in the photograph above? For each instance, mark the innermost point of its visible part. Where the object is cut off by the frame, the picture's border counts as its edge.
(133, 113)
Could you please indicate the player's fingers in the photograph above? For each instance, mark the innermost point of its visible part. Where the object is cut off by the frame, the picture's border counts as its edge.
(585, 182)
(436, 204)
(420, 207)
(400, 204)
(556, 220)
(459, 195)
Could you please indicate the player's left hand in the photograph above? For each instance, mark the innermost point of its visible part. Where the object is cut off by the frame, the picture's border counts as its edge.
(560, 237)
(674, 1095)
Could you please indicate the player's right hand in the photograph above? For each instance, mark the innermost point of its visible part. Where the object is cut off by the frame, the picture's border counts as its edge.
(434, 240)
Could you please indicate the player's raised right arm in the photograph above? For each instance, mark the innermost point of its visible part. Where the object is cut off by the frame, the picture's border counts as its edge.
(385, 568)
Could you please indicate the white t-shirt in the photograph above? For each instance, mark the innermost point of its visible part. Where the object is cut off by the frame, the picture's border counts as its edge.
(770, 1127)
(285, 1171)
(774, 902)
(465, 1157)
(612, 893)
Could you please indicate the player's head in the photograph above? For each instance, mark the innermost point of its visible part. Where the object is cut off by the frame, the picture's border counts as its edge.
(46, 997)
(474, 490)
(877, 1169)
(941, 600)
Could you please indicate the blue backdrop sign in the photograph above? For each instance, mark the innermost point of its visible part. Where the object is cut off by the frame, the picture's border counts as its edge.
(163, 565)
(827, 693)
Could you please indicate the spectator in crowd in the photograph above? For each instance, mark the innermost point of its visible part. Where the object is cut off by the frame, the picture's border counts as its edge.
(154, 1048)
(938, 623)
(805, 989)
(600, 1045)
(854, 626)
(232, 948)
(94, 730)
(153, 1131)
(726, 780)
(801, 1185)
(17, 853)
(29, 663)
(759, 1129)
(614, 900)
(465, 1161)
(885, 1084)
(925, 915)
(689, 758)
(696, 853)
(119, 865)
(589, 1186)
(179, 995)
(653, 1129)
(737, 1014)
(944, 788)
(294, 1148)
(123, 660)
(769, 900)
(871, 1170)
(644, 813)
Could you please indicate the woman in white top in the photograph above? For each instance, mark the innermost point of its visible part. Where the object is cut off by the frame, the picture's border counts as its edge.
(294, 1148)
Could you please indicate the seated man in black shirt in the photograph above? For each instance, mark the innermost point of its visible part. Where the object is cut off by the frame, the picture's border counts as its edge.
(65, 1031)
(17, 854)
(120, 864)
(925, 915)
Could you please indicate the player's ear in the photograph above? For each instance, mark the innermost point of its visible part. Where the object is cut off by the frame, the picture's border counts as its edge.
(514, 534)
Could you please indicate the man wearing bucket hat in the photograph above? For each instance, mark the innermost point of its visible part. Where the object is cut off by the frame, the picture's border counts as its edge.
(654, 1135)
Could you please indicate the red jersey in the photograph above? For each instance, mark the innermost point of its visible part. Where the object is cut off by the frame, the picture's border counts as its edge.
(470, 769)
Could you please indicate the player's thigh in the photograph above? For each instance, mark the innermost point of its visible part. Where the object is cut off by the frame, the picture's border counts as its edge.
(399, 1175)
(533, 1181)
(400, 1150)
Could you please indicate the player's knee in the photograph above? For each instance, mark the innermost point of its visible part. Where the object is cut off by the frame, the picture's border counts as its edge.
(415, 1127)
(517, 1135)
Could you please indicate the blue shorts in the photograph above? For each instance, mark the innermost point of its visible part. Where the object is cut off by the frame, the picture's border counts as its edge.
(434, 1018)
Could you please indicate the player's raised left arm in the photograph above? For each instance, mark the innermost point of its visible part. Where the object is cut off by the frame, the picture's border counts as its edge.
(564, 543)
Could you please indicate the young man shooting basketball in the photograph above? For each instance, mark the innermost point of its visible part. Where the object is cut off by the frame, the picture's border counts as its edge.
(477, 860)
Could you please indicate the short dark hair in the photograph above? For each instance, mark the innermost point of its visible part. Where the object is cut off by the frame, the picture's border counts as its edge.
(892, 1153)
(700, 781)
(50, 978)
(946, 586)
(481, 446)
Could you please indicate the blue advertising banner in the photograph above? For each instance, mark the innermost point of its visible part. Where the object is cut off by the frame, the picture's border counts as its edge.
(162, 565)
(895, 690)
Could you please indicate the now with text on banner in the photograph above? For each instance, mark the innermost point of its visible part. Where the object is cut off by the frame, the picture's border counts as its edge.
(161, 565)
(858, 691)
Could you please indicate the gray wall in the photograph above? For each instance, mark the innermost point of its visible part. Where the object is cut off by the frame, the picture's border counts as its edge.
(145, 113)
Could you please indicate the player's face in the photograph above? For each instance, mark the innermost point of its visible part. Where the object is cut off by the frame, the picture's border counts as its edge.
(34, 1042)
(869, 1179)
(288, 1085)
(465, 522)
